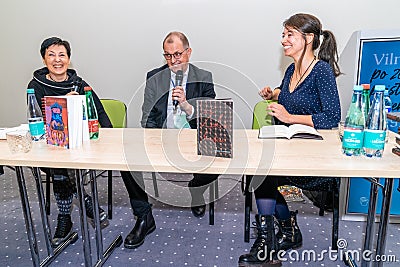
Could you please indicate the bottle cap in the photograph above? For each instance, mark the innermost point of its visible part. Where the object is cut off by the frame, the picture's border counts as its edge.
(366, 86)
(379, 88)
(87, 88)
(30, 91)
(386, 91)
(357, 88)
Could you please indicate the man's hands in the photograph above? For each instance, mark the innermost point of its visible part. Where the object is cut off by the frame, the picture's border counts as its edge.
(179, 94)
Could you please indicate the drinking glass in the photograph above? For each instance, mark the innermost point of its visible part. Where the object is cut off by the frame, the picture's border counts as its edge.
(19, 141)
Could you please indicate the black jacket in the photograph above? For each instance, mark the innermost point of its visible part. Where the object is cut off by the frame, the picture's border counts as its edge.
(154, 110)
(44, 87)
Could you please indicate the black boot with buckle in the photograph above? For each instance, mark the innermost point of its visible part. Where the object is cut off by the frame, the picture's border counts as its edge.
(289, 235)
(261, 252)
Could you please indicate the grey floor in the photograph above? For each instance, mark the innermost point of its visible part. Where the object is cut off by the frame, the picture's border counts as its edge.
(180, 239)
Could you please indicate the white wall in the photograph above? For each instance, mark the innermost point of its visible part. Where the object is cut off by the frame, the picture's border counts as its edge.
(114, 43)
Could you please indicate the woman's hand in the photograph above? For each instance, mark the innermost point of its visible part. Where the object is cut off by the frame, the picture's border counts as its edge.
(279, 112)
(266, 93)
(72, 93)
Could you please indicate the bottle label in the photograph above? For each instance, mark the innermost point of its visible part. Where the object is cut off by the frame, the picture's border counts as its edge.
(352, 138)
(374, 139)
(93, 126)
(36, 128)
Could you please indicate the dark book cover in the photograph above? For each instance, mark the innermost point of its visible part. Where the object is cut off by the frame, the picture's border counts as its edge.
(215, 127)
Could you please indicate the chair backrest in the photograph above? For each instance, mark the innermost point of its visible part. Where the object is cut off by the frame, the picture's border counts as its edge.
(116, 111)
(260, 115)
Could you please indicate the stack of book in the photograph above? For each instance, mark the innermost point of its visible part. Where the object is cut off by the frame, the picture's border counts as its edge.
(395, 117)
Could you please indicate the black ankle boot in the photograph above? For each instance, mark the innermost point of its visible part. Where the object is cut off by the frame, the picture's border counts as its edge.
(260, 252)
(144, 225)
(289, 235)
(64, 227)
(90, 212)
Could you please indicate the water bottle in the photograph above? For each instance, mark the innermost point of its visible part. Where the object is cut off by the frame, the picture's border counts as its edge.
(353, 134)
(365, 100)
(93, 120)
(375, 130)
(388, 108)
(388, 101)
(35, 117)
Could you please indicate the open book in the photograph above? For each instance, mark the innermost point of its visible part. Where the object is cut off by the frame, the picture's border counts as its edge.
(293, 131)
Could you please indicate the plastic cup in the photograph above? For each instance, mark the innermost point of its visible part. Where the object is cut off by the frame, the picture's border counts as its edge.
(19, 141)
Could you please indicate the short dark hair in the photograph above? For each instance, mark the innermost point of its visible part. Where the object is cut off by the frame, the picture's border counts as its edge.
(54, 41)
(181, 36)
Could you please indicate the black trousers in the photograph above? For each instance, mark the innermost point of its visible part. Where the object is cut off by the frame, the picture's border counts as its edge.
(134, 184)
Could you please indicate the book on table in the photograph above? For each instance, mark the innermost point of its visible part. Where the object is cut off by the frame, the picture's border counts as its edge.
(292, 131)
(66, 120)
(215, 127)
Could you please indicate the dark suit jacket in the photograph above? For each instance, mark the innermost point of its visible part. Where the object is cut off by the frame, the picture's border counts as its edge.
(154, 110)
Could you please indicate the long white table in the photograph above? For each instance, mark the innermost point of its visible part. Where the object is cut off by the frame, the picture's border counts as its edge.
(168, 150)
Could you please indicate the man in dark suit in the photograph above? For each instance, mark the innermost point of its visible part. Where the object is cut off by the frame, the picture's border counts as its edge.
(163, 102)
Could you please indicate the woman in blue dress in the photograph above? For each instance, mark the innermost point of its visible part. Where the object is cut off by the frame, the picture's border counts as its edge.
(307, 95)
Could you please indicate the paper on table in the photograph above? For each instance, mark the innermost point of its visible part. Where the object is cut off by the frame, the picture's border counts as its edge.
(3, 131)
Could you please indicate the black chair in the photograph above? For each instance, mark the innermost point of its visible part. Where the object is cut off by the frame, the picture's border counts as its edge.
(117, 112)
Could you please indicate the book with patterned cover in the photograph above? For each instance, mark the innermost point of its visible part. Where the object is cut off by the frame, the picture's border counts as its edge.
(56, 121)
(215, 127)
(65, 120)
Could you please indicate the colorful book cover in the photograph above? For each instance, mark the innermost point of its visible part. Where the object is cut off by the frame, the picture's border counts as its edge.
(56, 120)
(215, 127)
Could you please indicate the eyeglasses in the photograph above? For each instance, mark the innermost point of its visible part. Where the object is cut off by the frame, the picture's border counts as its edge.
(177, 55)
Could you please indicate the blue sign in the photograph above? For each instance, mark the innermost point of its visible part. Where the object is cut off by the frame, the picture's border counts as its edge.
(380, 64)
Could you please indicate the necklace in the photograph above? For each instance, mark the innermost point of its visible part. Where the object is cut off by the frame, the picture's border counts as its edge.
(50, 78)
(304, 73)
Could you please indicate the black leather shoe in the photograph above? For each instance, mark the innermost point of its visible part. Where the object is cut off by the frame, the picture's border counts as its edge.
(144, 225)
(199, 211)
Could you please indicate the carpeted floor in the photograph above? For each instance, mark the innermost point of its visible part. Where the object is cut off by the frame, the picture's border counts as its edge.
(180, 239)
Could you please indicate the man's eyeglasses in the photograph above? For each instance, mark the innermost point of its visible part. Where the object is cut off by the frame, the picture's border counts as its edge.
(177, 55)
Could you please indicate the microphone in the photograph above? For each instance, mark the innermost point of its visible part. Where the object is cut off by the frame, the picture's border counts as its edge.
(76, 84)
(178, 82)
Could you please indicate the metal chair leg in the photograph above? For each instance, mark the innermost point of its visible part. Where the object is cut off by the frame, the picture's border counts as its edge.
(335, 220)
(247, 208)
(109, 194)
(153, 175)
(213, 190)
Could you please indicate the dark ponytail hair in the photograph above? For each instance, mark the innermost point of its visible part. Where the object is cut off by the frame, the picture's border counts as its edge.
(307, 23)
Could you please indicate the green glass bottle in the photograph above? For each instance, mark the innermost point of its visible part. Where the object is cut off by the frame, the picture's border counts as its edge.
(93, 119)
(366, 100)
